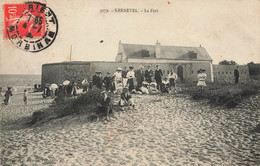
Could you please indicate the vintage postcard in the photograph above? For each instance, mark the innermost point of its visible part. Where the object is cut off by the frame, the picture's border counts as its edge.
(120, 82)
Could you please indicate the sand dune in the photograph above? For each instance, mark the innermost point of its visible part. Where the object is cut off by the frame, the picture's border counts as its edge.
(164, 130)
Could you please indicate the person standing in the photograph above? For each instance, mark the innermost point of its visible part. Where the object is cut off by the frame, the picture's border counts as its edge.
(130, 76)
(148, 74)
(236, 75)
(158, 77)
(124, 73)
(25, 96)
(108, 82)
(202, 79)
(117, 78)
(8, 95)
(139, 74)
(172, 79)
(97, 81)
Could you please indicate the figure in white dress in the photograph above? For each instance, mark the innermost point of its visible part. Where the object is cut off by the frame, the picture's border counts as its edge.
(202, 79)
(118, 79)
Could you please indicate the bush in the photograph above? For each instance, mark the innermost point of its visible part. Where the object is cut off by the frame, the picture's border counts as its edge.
(85, 103)
(227, 95)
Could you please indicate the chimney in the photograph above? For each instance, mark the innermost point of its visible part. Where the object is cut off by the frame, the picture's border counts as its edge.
(119, 57)
(119, 46)
(157, 50)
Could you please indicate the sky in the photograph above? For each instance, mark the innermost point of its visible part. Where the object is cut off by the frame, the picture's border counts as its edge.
(228, 29)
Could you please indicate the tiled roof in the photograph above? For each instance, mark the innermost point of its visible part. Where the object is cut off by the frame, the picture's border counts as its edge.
(167, 52)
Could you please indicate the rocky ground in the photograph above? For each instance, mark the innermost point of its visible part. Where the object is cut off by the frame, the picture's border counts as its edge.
(163, 130)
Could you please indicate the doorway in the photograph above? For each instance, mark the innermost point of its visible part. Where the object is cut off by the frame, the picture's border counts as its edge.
(180, 73)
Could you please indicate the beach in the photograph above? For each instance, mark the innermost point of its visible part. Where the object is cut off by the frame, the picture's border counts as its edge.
(163, 130)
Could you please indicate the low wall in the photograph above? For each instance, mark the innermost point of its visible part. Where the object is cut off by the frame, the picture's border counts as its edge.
(225, 73)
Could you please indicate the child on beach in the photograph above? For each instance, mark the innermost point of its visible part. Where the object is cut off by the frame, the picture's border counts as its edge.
(202, 79)
(25, 96)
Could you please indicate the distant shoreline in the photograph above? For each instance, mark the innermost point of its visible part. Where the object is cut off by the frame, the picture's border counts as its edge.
(20, 74)
(18, 80)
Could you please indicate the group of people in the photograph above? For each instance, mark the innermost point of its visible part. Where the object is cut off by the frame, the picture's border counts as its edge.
(136, 80)
(105, 105)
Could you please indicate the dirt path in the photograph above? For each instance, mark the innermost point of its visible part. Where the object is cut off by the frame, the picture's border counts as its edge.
(163, 130)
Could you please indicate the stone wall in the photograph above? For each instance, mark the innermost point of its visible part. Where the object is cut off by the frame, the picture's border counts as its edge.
(59, 72)
(225, 73)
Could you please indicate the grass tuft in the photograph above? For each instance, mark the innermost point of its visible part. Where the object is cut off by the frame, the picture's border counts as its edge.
(227, 95)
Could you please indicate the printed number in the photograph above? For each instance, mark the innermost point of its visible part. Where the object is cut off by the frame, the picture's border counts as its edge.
(38, 19)
(12, 9)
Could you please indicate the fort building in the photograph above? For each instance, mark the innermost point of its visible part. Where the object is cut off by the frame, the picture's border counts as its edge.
(186, 61)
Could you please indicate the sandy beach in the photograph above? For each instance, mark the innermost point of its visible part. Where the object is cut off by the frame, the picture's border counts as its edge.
(163, 130)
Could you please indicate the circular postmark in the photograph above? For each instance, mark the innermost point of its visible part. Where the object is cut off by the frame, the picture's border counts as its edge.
(34, 28)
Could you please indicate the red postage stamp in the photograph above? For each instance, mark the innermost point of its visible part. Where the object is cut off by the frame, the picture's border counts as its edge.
(31, 26)
(24, 20)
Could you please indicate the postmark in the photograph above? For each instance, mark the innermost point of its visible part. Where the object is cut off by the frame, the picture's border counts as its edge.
(31, 26)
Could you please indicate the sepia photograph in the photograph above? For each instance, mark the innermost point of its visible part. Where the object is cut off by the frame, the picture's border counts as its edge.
(140, 82)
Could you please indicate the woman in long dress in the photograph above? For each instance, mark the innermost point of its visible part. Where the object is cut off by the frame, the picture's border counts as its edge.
(118, 79)
(130, 76)
(202, 79)
(8, 95)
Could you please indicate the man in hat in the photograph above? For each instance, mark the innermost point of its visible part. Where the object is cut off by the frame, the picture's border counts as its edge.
(117, 78)
(148, 74)
(8, 95)
(108, 82)
(236, 75)
(130, 76)
(139, 74)
(158, 77)
(124, 78)
(96, 80)
(104, 106)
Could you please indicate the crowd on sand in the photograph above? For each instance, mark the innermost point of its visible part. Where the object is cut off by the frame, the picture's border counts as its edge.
(124, 82)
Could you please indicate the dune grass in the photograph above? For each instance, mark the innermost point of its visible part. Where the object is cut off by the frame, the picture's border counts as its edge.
(83, 104)
(226, 95)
